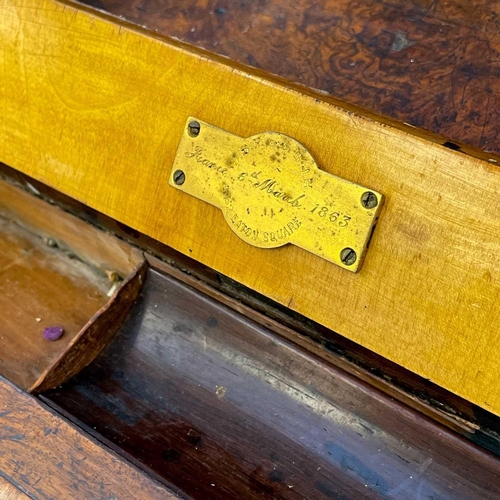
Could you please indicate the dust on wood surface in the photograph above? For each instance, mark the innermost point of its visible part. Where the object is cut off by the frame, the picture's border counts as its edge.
(40, 287)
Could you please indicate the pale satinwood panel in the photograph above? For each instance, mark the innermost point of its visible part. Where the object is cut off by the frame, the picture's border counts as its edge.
(97, 110)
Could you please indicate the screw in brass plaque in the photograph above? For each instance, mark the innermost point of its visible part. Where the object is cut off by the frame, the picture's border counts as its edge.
(194, 128)
(272, 193)
(369, 200)
(179, 177)
(348, 256)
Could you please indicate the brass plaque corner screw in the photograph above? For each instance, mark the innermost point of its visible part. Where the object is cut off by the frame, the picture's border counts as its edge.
(348, 256)
(369, 200)
(194, 128)
(179, 177)
(275, 184)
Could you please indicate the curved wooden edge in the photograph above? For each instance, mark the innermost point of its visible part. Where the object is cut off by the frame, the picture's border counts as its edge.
(216, 404)
(46, 457)
(95, 335)
(9, 492)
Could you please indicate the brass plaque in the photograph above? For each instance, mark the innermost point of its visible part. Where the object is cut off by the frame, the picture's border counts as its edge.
(272, 192)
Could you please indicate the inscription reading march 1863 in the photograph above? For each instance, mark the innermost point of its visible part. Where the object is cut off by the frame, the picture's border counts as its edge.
(272, 193)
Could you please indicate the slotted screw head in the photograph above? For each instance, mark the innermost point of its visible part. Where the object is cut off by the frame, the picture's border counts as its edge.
(348, 256)
(179, 177)
(369, 200)
(194, 128)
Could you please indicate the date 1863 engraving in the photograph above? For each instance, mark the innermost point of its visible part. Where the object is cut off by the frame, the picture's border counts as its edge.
(272, 193)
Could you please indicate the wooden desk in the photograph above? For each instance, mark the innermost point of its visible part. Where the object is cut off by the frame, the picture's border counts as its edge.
(94, 107)
(100, 117)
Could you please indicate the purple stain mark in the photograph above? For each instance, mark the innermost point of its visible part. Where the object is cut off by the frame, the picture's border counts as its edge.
(53, 333)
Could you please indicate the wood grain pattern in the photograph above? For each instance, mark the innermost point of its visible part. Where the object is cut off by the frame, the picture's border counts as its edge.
(420, 394)
(222, 408)
(48, 458)
(40, 287)
(62, 283)
(103, 127)
(95, 335)
(412, 391)
(98, 249)
(428, 63)
(10, 492)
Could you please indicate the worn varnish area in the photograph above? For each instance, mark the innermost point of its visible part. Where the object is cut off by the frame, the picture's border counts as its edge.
(96, 335)
(45, 457)
(40, 287)
(56, 270)
(103, 127)
(221, 408)
(429, 63)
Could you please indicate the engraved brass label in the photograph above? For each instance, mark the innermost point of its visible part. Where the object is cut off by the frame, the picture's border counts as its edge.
(272, 192)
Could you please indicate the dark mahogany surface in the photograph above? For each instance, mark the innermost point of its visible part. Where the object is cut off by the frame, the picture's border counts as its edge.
(430, 63)
(221, 408)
